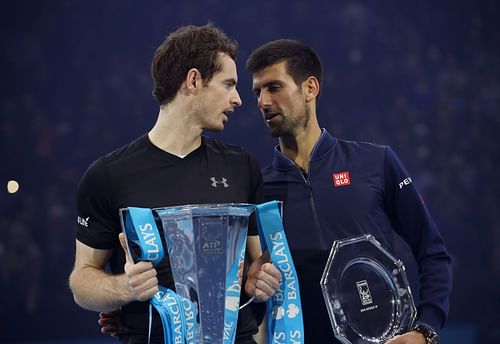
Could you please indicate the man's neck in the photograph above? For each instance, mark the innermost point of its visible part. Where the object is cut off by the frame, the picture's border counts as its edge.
(298, 148)
(174, 133)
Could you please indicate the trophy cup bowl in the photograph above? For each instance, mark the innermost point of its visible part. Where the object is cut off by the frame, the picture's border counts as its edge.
(205, 244)
(366, 292)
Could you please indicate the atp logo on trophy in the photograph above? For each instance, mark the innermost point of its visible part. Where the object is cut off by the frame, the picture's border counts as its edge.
(364, 292)
(211, 237)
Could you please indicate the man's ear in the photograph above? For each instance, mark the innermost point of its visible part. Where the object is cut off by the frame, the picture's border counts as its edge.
(193, 79)
(310, 87)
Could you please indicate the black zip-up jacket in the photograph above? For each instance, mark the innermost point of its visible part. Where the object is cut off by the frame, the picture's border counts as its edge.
(355, 188)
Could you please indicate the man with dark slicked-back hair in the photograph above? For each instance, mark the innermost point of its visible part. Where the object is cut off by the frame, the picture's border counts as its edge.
(333, 189)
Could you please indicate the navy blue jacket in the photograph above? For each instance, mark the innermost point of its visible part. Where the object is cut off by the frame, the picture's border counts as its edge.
(351, 189)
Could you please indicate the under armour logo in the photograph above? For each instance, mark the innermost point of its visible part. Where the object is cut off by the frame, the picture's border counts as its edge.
(216, 182)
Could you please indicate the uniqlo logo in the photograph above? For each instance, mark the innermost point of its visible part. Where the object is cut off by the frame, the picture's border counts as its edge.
(341, 179)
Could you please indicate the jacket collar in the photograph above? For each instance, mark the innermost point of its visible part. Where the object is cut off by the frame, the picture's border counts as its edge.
(322, 147)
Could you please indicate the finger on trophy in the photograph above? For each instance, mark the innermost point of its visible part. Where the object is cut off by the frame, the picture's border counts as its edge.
(263, 291)
(241, 266)
(123, 243)
(274, 274)
(110, 323)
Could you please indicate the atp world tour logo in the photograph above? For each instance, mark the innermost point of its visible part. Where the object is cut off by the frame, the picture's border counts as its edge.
(211, 237)
(364, 292)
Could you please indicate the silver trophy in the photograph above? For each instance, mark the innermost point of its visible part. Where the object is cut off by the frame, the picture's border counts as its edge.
(205, 245)
(366, 292)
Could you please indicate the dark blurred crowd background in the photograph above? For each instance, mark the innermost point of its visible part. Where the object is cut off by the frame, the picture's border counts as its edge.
(421, 76)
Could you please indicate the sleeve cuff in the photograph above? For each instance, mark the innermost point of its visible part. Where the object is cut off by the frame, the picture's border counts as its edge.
(430, 317)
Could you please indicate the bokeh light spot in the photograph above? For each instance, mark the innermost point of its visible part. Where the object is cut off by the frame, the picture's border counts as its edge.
(12, 186)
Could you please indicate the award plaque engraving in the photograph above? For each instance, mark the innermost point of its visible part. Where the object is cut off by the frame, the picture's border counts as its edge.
(205, 245)
(366, 292)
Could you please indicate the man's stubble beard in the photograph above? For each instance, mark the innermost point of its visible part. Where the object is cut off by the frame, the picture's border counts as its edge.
(290, 125)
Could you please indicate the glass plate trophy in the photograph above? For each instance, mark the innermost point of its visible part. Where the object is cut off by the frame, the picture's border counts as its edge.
(205, 245)
(366, 292)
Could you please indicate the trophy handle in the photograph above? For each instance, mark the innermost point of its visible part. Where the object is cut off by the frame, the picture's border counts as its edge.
(247, 303)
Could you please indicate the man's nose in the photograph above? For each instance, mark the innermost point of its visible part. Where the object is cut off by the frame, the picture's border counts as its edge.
(236, 100)
(264, 100)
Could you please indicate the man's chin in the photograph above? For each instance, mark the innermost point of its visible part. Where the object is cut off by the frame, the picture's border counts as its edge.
(275, 132)
(216, 129)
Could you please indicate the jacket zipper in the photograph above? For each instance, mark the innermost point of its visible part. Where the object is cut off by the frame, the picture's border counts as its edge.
(313, 207)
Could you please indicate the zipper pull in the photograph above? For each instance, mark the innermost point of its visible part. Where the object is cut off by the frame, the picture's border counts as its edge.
(308, 183)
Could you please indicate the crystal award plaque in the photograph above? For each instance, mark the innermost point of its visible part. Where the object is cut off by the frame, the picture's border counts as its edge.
(366, 292)
(205, 244)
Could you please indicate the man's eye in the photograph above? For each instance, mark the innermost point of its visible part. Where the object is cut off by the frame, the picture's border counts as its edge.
(273, 88)
(257, 93)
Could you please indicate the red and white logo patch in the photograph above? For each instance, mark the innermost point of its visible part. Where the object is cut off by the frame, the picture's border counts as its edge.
(341, 179)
